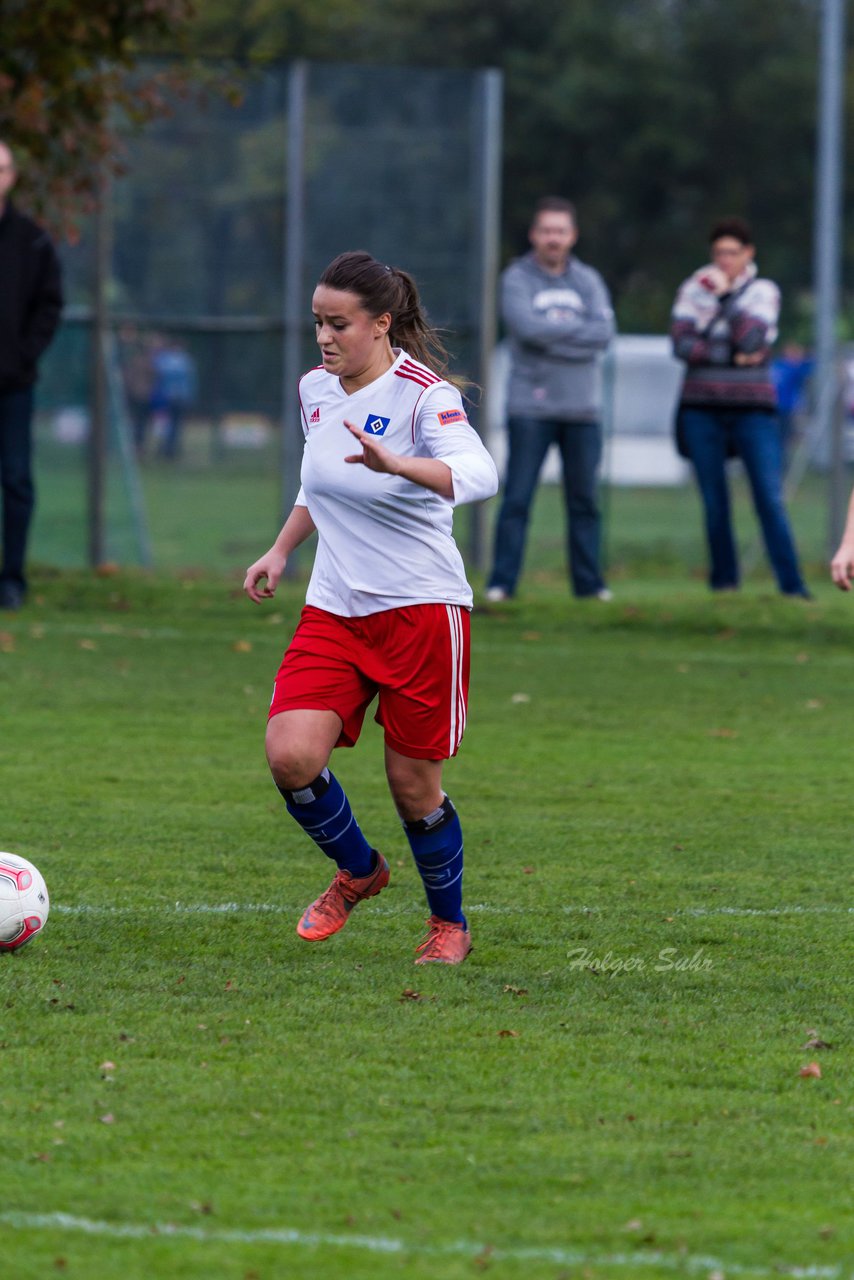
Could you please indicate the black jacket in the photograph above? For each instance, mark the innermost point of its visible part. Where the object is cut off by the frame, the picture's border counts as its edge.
(30, 297)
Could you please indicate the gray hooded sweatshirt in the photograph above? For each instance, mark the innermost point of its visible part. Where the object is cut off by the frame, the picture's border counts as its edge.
(558, 326)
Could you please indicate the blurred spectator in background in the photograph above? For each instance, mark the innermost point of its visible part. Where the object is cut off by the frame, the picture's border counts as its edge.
(791, 371)
(30, 307)
(559, 319)
(724, 324)
(173, 391)
(138, 376)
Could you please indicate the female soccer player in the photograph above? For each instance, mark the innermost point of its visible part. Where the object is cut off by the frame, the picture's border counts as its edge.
(388, 454)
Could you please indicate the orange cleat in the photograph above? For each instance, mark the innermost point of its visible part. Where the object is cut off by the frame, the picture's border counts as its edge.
(447, 942)
(330, 911)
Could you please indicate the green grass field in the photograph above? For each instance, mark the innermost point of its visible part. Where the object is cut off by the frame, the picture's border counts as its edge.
(656, 799)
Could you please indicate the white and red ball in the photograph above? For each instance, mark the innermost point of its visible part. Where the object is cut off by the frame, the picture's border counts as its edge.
(24, 901)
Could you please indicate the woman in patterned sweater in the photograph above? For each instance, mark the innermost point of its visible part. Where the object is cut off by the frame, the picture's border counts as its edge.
(723, 326)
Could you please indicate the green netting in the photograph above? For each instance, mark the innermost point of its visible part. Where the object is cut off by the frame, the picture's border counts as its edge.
(196, 276)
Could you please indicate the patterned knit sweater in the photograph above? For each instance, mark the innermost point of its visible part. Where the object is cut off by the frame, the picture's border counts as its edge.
(708, 331)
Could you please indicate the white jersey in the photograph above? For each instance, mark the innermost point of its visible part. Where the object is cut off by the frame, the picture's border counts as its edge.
(384, 542)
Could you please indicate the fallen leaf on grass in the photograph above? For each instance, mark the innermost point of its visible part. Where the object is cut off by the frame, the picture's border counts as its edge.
(515, 991)
(802, 657)
(817, 1044)
(483, 1259)
(242, 646)
(504, 1034)
(529, 871)
(812, 1069)
(107, 1066)
(409, 994)
(723, 733)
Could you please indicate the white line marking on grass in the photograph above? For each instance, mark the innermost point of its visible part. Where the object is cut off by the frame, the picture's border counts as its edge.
(690, 1263)
(478, 908)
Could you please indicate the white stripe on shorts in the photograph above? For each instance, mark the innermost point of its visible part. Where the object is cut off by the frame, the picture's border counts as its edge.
(458, 705)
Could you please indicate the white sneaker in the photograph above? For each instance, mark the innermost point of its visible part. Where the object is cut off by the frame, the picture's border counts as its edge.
(496, 594)
(604, 593)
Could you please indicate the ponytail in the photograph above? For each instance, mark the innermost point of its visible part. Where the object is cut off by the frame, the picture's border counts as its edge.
(383, 289)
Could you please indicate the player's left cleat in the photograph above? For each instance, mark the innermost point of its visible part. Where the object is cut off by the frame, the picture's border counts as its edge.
(447, 942)
(331, 911)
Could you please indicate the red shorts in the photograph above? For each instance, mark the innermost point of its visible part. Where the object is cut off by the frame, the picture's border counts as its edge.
(416, 658)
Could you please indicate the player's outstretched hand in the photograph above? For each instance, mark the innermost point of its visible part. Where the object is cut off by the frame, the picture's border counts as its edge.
(374, 456)
(270, 568)
(842, 566)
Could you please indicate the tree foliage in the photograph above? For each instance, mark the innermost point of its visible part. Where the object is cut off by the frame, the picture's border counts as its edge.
(655, 116)
(65, 80)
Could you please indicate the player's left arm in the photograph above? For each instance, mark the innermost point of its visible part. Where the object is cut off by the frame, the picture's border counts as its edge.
(451, 459)
(430, 473)
(443, 431)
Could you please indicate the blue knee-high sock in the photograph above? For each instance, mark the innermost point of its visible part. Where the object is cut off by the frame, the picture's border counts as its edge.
(323, 811)
(437, 847)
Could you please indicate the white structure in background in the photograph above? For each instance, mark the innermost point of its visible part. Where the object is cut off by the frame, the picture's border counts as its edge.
(642, 382)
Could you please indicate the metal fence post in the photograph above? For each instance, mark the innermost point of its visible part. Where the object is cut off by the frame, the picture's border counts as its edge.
(488, 207)
(828, 197)
(99, 396)
(291, 437)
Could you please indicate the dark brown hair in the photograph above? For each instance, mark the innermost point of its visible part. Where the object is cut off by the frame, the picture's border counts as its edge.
(737, 228)
(379, 289)
(554, 204)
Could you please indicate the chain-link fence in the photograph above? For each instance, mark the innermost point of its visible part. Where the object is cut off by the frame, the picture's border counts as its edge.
(193, 288)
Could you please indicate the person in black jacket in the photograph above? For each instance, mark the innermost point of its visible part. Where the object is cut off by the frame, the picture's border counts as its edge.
(30, 307)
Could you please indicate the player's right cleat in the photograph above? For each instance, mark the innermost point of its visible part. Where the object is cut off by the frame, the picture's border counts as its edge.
(331, 910)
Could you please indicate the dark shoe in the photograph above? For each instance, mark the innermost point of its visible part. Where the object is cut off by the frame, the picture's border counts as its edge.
(11, 595)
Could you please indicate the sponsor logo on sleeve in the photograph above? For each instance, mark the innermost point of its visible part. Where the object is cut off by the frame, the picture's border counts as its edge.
(315, 417)
(375, 425)
(447, 416)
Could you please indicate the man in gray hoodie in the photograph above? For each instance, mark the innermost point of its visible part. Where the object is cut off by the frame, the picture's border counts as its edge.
(558, 316)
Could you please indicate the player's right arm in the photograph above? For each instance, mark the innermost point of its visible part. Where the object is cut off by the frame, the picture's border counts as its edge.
(269, 568)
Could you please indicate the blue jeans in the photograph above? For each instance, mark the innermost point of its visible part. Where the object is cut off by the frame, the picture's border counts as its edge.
(16, 481)
(758, 441)
(580, 445)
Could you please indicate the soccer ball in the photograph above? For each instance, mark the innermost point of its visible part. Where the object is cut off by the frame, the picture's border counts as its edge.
(24, 904)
